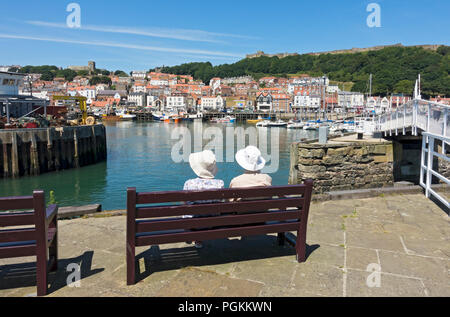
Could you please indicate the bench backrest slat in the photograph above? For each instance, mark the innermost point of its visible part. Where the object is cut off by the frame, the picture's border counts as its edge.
(18, 235)
(214, 234)
(230, 220)
(16, 203)
(216, 208)
(17, 219)
(179, 196)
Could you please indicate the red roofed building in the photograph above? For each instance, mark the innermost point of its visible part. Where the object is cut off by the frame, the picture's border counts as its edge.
(281, 103)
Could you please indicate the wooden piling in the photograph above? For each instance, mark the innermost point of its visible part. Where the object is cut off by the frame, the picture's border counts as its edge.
(22, 153)
(76, 158)
(14, 155)
(34, 157)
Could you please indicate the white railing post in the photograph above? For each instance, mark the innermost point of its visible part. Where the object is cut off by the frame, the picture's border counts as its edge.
(429, 165)
(422, 162)
(404, 119)
(396, 123)
(390, 124)
(415, 116)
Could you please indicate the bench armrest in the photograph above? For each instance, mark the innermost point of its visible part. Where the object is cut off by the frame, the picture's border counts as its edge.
(51, 213)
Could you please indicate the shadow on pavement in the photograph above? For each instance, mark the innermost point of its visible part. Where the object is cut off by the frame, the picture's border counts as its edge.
(24, 274)
(214, 252)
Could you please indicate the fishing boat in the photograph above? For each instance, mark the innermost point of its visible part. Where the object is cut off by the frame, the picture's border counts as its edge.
(278, 124)
(125, 116)
(110, 118)
(158, 116)
(198, 116)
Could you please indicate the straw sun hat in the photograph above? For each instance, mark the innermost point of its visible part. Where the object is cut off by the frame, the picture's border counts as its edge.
(250, 159)
(203, 164)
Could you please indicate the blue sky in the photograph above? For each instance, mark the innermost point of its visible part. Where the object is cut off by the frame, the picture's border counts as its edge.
(139, 35)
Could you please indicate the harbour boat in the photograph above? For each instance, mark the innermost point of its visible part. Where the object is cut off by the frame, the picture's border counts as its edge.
(263, 124)
(198, 116)
(260, 119)
(125, 116)
(227, 119)
(176, 119)
(254, 121)
(279, 124)
(110, 118)
(158, 116)
(295, 125)
(311, 126)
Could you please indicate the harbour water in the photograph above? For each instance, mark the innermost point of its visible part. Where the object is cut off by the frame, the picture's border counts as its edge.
(141, 155)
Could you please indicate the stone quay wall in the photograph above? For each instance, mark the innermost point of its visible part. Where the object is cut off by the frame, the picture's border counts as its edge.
(343, 166)
(36, 151)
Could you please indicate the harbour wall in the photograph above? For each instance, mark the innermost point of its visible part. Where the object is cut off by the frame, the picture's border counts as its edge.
(28, 152)
(343, 166)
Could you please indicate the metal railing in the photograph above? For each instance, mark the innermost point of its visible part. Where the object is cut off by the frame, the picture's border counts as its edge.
(427, 165)
(417, 114)
(432, 120)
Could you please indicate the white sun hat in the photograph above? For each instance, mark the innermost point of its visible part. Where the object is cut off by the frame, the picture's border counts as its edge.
(203, 164)
(250, 159)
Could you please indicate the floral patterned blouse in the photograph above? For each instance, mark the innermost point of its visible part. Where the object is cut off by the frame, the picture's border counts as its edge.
(203, 184)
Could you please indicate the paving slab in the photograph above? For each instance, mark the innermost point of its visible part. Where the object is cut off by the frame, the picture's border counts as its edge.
(389, 285)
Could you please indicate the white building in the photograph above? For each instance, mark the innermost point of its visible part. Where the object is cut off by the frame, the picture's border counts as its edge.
(331, 89)
(139, 88)
(9, 83)
(159, 82)
(137, 74)
(212, 103)
(151, 101)
(350, 101)
(311, 102)
(176, 103)
(377, 105)
(264, 102)
(12, 104)
(88, 92)
(138, 98)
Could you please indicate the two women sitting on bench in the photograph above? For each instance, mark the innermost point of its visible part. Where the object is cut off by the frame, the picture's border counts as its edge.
(204, 166)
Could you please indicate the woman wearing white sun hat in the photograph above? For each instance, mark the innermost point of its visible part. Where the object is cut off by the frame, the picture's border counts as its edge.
(251, 160)
(204, 166)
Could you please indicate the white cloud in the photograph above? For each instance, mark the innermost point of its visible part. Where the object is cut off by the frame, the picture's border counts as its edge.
(122, 45)
(177, 34)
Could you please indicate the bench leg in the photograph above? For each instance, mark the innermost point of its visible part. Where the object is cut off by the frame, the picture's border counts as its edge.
(131, 265)
(281, 239)
(41, 271)
(53, 249)
(300, 246)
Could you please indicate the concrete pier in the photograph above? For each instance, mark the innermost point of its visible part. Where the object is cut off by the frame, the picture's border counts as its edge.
(36, 151)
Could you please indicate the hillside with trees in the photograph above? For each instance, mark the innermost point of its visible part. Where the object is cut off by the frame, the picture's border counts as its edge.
(51, 72)
(394, 69)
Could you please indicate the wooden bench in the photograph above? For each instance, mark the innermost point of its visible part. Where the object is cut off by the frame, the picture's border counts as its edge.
(156, 218)
(35, 234)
